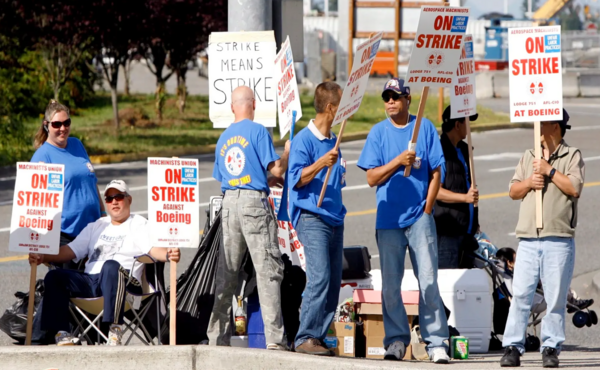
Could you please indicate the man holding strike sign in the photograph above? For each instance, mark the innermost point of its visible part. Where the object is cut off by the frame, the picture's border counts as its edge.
(110, 245)
(243, 155)
(404, 219)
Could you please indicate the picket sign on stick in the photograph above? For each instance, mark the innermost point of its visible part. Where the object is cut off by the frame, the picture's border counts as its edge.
(435, 55)
(36, 218)
(471, 161)
(535, 82)
(354, 91)
(173, 215)
(412, 145)
(285, 216)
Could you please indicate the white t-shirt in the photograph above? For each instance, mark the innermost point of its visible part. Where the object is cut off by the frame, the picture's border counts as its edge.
(102, 241)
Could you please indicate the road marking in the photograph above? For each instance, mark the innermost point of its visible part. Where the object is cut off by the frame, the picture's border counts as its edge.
(498, 156)
(7, 178)
(14, 258)
(375, 256)
(356, 187)
(354, 161)
(503, 169)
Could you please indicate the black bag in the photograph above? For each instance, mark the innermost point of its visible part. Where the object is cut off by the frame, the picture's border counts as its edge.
(14, 320)
(356, 263)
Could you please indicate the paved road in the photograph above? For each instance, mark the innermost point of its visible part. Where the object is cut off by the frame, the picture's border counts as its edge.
(495, 157)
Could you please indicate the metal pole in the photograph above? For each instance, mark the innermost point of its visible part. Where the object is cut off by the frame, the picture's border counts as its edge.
(505, 6)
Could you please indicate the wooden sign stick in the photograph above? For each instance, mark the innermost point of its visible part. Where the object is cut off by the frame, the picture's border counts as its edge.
(30, 305)
(173, 302)
(413, 142)
(471, 161)
(337, 145)
(537, 142)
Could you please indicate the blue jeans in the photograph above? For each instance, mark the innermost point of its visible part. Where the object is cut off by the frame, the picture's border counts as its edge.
(552, 260)
(324, 249)
(449, 251)
(420, 238)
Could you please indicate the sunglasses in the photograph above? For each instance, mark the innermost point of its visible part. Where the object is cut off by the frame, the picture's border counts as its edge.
(109, 198)
(393, 96)
(58, 124)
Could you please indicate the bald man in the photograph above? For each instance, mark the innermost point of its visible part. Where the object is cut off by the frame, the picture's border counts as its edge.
(243, 155)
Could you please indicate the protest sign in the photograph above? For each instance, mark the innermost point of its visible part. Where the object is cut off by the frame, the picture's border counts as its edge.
(36, 218)
(354, 91)
(288, 98)
(535, 80)
(437, 46)
(463, 100)
(288, 239)
(435, 55)
(241, 59)
(173, 213)
(535, 74)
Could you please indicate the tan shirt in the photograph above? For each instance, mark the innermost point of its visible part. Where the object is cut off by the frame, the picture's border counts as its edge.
(559, 209)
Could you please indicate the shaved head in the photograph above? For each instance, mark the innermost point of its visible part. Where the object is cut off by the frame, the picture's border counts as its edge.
(242, 103)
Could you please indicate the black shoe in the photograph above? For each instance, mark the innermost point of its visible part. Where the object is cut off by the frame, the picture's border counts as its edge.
(581, 304)
(511, 357)
(549, 357)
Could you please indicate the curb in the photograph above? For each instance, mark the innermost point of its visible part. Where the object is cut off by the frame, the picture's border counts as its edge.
(208, 149)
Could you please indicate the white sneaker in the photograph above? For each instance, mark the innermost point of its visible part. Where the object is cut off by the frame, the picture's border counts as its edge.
(114, 335)
(438, 355)
(277, 347)
(63, 338)
(395, 351)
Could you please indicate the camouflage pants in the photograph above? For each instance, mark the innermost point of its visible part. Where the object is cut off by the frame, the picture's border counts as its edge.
(248, 222)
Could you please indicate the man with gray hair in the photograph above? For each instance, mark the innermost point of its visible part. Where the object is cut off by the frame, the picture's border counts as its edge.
(243, 155)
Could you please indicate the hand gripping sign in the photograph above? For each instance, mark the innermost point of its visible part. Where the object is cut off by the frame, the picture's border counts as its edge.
(463, 100)
(241, 59)
(36, 217)
(354, 91)
(435, 55)
(288, 240)
(535, 79)
(288, 98)
(173, 213)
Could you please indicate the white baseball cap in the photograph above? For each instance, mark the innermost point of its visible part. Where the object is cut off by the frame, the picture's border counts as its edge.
(120, 185)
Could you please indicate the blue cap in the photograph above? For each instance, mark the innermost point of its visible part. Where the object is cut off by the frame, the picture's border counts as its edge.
(396, 85)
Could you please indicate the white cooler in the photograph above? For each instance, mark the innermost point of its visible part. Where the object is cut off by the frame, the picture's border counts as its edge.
(468, 294)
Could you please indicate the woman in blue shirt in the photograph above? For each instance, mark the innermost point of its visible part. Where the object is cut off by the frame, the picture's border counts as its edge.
(82, 203)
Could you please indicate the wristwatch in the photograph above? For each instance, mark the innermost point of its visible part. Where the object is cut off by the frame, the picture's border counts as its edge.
(552, 172)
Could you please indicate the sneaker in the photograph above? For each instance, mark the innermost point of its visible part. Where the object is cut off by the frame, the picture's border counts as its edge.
(313, 346)
(580, 304)
(277, 347)
(63, 338)
(511, 358)
(395, 351)
(114, 335)
(439, 355)
(549, 357)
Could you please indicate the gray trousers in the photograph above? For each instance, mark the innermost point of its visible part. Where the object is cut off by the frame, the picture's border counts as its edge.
(248, 223)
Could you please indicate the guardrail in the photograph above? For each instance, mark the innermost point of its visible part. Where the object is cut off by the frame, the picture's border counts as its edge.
(584, 83)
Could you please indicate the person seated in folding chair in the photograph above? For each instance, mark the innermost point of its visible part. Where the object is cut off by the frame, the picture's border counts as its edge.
(110, 244)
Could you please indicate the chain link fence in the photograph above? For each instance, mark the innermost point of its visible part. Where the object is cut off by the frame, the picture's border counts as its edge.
(581, 49)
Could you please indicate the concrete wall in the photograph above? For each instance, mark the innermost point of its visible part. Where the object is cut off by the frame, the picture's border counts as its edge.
(494, 84)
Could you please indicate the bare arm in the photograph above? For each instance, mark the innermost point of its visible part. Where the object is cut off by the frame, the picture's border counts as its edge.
(435, 180)
(279, 167)
(448, 196)
(378, 175)
(160, 254)
(65, 254)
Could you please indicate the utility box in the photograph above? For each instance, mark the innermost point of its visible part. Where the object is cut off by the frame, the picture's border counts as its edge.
(288, 21)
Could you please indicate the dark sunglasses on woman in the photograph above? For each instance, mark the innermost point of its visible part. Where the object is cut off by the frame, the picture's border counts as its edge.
(58, 124)
(110, 198)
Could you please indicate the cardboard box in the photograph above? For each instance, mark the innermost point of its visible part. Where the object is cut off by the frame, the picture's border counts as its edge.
(341, 337)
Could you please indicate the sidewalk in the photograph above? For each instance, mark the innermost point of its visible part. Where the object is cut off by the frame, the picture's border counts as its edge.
(211, 358)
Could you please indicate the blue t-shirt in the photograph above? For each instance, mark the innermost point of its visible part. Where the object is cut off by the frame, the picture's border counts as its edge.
(401, 200)
(81, 204)
(242, 156)
(307, 149)
(462, 160)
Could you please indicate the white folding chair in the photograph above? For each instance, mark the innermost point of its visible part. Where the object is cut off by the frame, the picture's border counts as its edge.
(136, 304)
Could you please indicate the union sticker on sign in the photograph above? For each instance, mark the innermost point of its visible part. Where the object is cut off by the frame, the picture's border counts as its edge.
(37, 208)
(437, 46)
(173, 202)
(463, 101)
(535, 74)
(288, 98)
(241, 59)
(359, 77)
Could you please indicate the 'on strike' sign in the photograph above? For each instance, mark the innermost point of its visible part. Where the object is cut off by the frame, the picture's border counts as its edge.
(437, 46)
(173, 202)
(288, 99)
(359, 78)
(535, 74)
(241, 59)
(37, 208)
(463, 100)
